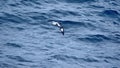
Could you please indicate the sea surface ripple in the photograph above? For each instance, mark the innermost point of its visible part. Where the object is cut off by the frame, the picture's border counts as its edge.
(29, 40)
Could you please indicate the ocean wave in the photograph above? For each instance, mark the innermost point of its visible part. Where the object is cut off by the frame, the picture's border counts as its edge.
(18, 58)
(100, 38)
(29, 40)
(7, 65)
(7, 17)
(64, 12)
(67, 58)
(109, 57)
(13, 45)
(95, 38)
(78, 1)
(110, 13)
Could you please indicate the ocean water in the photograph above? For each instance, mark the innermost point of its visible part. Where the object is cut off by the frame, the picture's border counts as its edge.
(29, 40)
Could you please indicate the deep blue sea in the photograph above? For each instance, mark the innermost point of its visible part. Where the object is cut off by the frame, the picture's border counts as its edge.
(29, 40)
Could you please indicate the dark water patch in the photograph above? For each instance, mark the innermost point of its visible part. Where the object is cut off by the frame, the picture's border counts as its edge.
(65, 12)
(42, 33)
(13, 18)
(90, 26)
(14, 4)
(17, 28)
(6, 65)
(95, 38)
(3, 3)
(1, 52)
(115, 67)
(21, 64)
(46, 27)
(116, 23)
(20, 28)
(37, 16)
(78, 1)
(114, 3)
(73, 58)
(64, 57)
(0, 23)
(32, 13)
(115, 37)
(111, 1)
(112, 58)
(51, 1)
(17, 58)
(43, 49)
(31, 2)
(90, 59)
(110, 13)
(118, 54)
(109, 57)
(96, 6)
(118, 20)
(115, 40)
(13, 45)
(34, 23)
(37, 2)
(106, 61)
(50, 47)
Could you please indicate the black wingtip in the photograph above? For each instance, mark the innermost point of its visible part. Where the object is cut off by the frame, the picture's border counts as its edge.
(62, 33)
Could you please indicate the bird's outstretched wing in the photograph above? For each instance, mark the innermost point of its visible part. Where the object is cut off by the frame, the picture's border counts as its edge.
(59, 26)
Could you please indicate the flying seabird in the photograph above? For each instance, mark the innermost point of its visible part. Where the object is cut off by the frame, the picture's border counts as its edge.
(59, 25)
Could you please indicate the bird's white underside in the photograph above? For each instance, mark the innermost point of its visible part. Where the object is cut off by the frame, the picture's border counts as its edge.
(62, 29)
